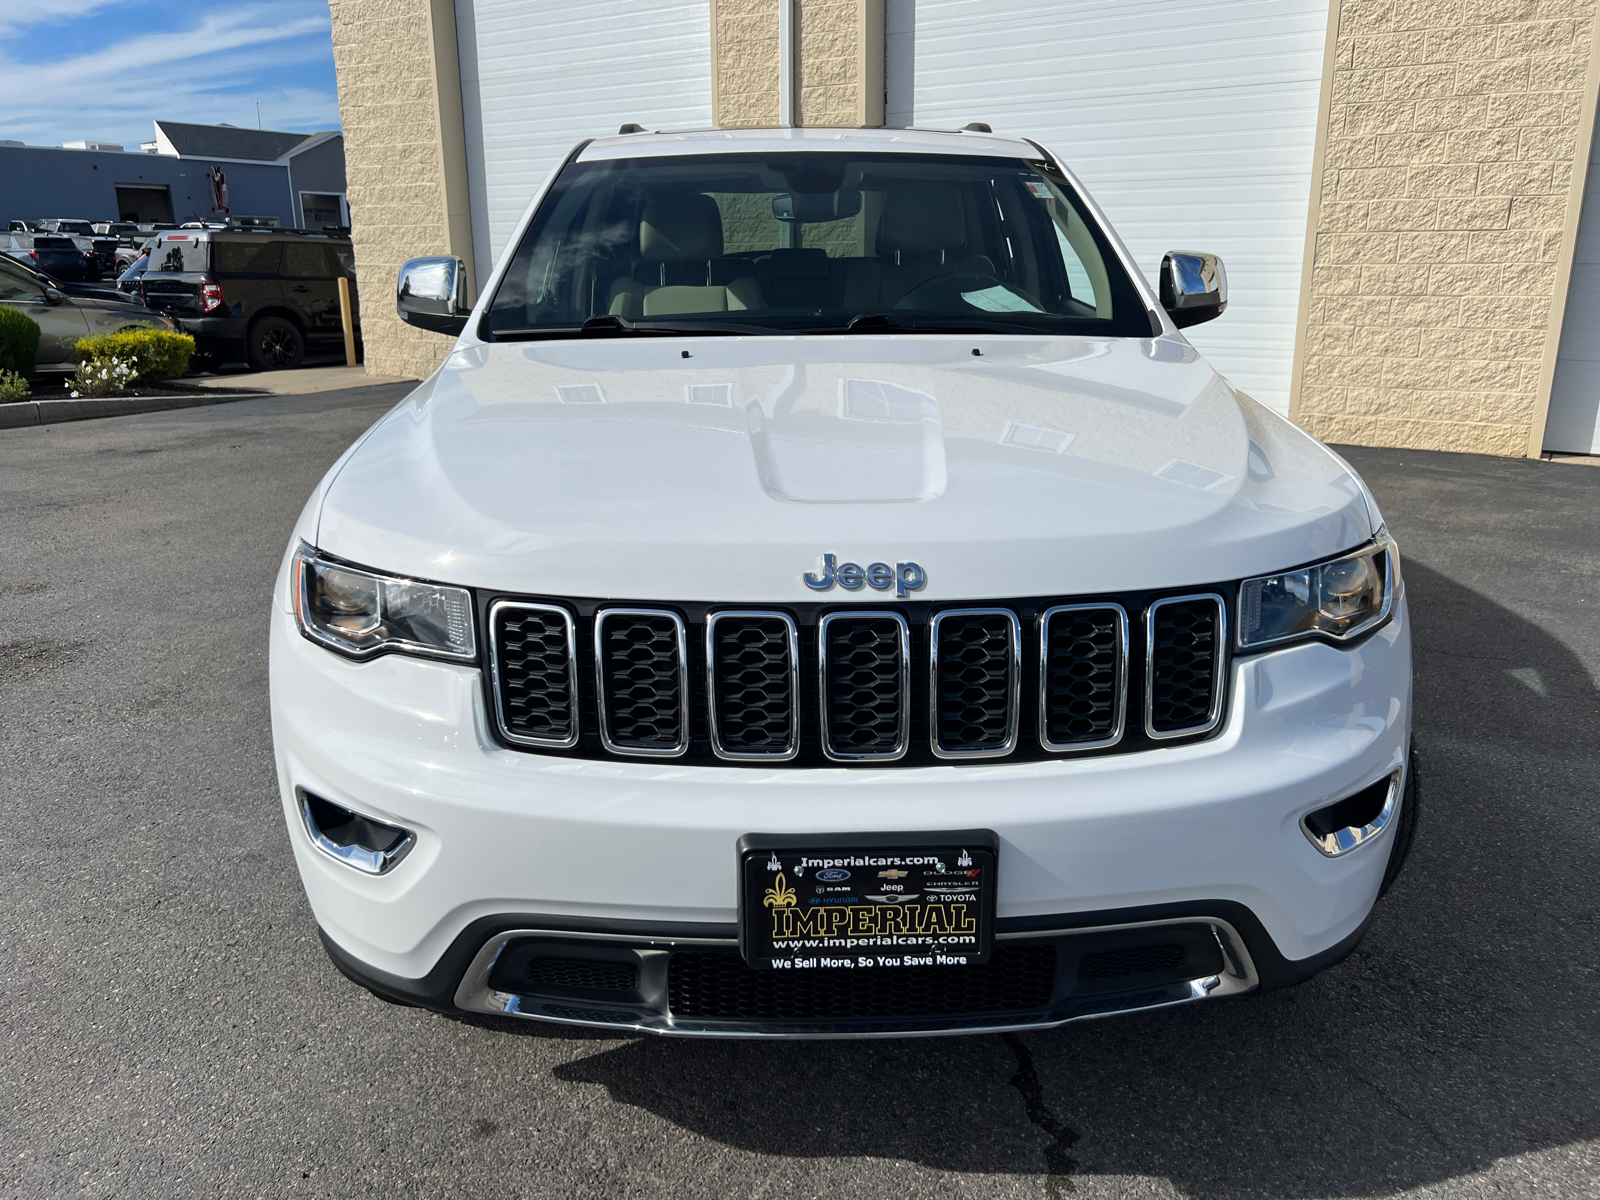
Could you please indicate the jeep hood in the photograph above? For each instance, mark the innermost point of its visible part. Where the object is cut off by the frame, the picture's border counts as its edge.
(724, 468)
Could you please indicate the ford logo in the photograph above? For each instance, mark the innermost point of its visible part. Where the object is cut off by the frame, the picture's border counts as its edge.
(903, 577)
(832, 875)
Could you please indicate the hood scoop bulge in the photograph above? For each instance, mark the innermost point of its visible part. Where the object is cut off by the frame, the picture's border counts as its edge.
(864, 441)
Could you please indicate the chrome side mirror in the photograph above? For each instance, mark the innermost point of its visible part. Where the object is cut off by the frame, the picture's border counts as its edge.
(1194, 287)
(432, 294)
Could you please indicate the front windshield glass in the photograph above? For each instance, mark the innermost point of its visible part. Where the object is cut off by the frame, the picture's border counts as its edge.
(813, 243)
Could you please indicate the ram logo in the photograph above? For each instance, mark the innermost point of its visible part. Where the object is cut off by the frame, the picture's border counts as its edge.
(904, 577)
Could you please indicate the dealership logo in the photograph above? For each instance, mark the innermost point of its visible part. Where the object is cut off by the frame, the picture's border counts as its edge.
(832, 875)
(780, 894)
(893, 874)
(904, 577)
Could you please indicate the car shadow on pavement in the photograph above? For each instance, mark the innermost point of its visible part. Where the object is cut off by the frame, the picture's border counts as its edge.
(1461, 1031)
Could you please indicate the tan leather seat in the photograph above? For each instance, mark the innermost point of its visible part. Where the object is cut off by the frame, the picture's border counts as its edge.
(922, 233)
(682, 232)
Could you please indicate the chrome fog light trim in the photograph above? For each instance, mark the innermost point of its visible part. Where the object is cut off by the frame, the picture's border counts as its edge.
(1336, 843)
(369, 859)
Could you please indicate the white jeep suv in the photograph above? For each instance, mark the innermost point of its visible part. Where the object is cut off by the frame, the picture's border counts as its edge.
(823, 593)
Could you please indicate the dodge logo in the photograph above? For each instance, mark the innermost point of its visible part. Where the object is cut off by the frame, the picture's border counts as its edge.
(902, 577)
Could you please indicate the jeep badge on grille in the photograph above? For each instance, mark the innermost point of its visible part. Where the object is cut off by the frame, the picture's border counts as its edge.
(903, 577)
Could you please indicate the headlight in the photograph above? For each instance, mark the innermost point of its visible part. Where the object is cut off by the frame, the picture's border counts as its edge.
(361, 613)
(1335, 600)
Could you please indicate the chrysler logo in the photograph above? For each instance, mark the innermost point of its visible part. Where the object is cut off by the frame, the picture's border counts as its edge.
(902, 577)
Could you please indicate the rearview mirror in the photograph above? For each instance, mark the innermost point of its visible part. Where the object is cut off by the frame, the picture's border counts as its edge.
(432, 294)
(1194, 287)
(817, 206)
(52, 296)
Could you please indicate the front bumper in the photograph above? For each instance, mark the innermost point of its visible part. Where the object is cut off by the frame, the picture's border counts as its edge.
(1202, 839)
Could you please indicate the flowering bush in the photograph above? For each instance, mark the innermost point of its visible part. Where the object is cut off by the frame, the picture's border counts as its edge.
(153, 353)
(103, 376)
(12, 386)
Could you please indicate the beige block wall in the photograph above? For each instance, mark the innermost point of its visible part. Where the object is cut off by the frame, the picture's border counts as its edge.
(1443, 220)
(400, 106)
(838, 64)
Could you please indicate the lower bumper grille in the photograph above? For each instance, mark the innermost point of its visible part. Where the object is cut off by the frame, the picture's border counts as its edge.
(702, 988)
(710, 986)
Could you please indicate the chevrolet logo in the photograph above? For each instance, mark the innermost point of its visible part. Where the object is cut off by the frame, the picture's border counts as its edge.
(893, 874)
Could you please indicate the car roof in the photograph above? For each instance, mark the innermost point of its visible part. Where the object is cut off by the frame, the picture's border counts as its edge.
(778, 141)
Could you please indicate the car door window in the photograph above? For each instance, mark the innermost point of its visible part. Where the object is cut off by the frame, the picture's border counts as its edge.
(18, 290)
(305, 260)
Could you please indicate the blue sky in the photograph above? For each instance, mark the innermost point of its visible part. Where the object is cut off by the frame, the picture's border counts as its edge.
(105, 69)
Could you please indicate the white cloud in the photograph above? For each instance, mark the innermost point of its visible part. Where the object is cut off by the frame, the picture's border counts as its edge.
(47, 12)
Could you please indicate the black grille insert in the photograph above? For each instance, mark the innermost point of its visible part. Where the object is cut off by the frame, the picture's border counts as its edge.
(538, 693)
(1112, 964)
(1186, 640)
(974, 681)
(583, 974)
(1083, 676)
(754, 685)
(639, 656)
(714, 986)
(865, 685)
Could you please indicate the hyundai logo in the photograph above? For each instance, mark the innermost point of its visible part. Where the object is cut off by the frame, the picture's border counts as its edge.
(903, 577)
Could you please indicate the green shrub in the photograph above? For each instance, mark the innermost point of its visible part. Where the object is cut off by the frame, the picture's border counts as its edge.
(12, 386)
(19, 341)
(153, 353)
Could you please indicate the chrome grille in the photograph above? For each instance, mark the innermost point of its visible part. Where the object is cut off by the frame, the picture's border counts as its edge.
(753, 685)
(1185, 637)
(641, 668)
(535, 662)
(974, 668)
(1083, 676)
(889, 684)
(865, 680)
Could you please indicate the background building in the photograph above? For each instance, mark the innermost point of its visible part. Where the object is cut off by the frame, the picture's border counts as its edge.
(1397, 186)
(296, 178)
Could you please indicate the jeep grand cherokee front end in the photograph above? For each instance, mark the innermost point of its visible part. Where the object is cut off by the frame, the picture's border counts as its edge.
(823, 593)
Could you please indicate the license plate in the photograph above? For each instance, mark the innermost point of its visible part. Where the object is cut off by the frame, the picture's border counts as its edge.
(863, 901)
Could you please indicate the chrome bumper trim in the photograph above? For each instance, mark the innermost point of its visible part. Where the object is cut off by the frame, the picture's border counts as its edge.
(474, 995)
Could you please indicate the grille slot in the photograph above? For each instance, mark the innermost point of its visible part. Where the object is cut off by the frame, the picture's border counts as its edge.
(865, 664)
(711, 986)
(973, 681)
(753, 683)
(1083, 676)
(1184, 665)
(582, 974)
(535, 662)
(641, 671)
(1113, 964)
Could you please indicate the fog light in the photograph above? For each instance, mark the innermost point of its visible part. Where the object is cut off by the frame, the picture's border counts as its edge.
(1352, 822)
(368, 845)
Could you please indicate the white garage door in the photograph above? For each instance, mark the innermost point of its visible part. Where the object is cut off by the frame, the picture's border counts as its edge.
(1192, 122)
(1574, 422)
(537, 77)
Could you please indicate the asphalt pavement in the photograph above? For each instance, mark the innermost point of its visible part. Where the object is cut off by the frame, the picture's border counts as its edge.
(170, 1027)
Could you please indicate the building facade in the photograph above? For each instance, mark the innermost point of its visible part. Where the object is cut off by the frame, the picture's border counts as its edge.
(295, 179)
(1398, 188)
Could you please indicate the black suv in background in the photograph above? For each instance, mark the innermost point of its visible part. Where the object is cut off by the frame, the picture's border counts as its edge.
(269, 297)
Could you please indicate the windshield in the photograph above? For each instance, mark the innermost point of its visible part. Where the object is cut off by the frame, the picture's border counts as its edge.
(814, 243)
(79, 227)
